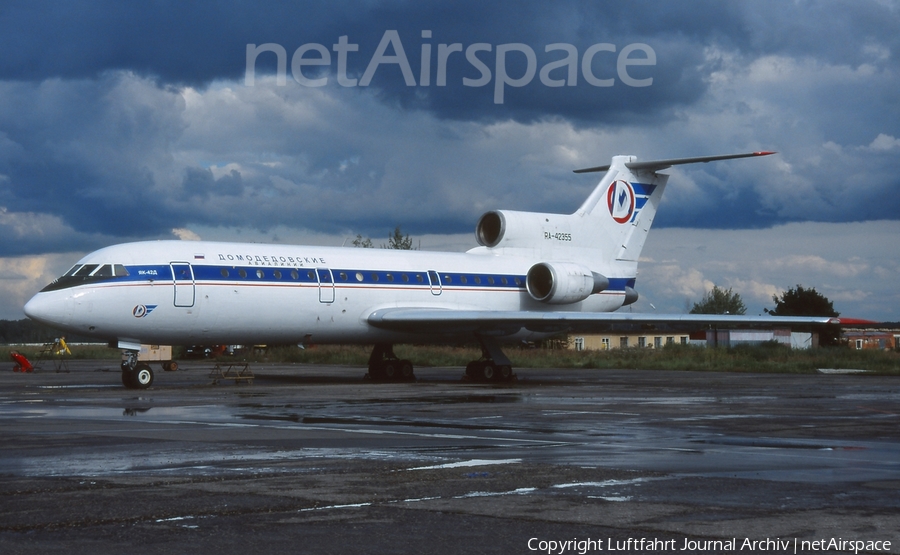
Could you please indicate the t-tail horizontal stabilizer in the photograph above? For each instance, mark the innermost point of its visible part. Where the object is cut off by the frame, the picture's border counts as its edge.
(656, 165)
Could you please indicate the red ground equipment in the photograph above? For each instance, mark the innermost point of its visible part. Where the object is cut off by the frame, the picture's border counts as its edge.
(22, 364)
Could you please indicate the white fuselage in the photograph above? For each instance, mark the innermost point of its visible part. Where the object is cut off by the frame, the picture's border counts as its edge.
(182, 292)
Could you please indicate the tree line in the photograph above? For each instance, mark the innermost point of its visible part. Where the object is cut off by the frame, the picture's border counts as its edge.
(796, 301)
(396, 240)
(29, 331)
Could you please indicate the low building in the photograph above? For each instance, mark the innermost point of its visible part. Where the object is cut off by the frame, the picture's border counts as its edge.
(624, 340)
(657, 339)
(864, 339)
(784, 336)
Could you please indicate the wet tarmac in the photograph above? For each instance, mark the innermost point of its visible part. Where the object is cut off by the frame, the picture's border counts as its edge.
(311, 459)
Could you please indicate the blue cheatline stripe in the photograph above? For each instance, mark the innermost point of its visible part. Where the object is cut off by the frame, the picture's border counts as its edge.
(269, 275)
(287, 276)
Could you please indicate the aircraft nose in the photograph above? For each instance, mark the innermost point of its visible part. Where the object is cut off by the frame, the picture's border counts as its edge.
(41, 308)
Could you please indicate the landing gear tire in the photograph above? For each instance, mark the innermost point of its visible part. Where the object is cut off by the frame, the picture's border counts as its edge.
(390, 370)
(384, 365)
(488, 372)
(504, 373)
(493, 366)
(128, 378)
(143, 376)
(406, 370)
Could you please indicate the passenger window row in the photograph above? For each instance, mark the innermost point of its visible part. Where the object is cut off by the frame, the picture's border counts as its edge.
(349, 276)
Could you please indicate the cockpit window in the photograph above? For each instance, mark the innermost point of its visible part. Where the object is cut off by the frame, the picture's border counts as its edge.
(81, 274)
(103, 271)
(85, 270)
(72, 270)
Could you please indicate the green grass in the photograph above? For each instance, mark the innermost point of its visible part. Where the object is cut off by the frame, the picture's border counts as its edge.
(765, 358)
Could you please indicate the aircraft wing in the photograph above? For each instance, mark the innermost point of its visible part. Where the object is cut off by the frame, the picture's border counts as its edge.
(495, 322)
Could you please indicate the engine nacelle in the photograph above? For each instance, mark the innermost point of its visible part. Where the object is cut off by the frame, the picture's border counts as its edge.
(513, 229)
(490, 229)
(631, 296)
(563, 282)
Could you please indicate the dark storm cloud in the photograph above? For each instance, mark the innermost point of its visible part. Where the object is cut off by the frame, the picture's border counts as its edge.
(193, 43)
(87, 151)
(201, 183)
(95, 129)
(27, 233)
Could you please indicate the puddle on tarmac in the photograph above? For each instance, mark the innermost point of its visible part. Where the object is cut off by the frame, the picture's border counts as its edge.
(450, 399)
(190, 413)
(767, 443)
(468, 463)
(80, 386)
(196, 460)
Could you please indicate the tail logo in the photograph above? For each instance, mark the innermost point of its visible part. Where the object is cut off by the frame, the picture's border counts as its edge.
(620, 199)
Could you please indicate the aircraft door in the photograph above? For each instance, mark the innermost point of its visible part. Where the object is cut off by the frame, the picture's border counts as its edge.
(435, 281)
(326, 285)
(183, 275)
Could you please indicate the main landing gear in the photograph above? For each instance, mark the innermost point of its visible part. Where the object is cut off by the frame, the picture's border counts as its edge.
(489, 371)
(385, 366)
(135, 375)
(493, 366)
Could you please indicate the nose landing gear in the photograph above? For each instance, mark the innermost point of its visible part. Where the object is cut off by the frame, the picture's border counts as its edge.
(135, 375)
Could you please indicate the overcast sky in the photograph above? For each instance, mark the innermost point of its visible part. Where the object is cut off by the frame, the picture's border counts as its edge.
(129, 121)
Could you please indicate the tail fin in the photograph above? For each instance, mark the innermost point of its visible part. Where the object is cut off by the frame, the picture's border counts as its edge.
(622, 207)
(600, 243)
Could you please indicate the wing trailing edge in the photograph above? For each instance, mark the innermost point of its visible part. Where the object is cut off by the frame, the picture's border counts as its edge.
(428, 320)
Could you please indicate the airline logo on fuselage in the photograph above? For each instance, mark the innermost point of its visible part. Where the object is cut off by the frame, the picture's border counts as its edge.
(620, 199)
(142, 310)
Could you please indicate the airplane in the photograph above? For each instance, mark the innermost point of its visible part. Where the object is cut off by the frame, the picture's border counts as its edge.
(533, 275)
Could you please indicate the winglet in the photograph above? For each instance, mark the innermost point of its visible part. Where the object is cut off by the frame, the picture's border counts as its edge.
(656, 165)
